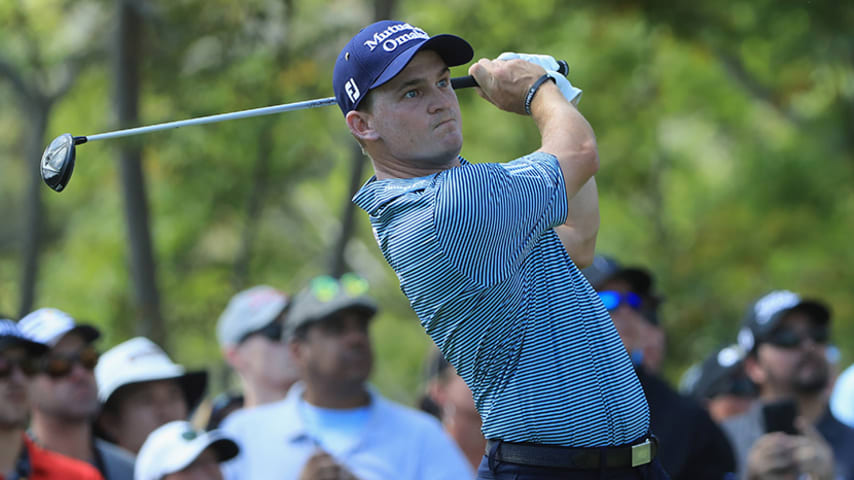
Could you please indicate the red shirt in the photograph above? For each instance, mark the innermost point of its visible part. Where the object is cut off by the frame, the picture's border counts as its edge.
(46, 465)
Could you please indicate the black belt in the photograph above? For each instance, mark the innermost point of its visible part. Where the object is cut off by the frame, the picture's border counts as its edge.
(626, 456)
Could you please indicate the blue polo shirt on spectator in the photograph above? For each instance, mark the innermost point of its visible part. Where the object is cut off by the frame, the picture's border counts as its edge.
(382, 441)
(476, 254)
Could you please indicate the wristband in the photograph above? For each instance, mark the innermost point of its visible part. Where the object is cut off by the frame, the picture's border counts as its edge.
(531, 91)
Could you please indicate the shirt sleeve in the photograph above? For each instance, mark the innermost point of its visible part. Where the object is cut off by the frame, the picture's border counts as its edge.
(488, 217)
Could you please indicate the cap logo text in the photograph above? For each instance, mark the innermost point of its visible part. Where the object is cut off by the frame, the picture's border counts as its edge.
(390, 44)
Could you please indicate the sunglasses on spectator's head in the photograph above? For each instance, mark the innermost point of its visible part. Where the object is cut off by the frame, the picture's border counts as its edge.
(272, 331)
(788, 338)
(58, 365)
(613, 300)
(26, 364)
(325, 288)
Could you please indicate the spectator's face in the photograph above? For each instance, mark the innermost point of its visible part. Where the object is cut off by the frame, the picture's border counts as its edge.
(139, 408)
(635, 331)
(205, 467)
(792, 369)
(14, 400)
(266, 360)
(73, 396)
(337, 350)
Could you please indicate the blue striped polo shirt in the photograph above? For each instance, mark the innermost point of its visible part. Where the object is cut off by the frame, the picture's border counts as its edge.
(476, 255)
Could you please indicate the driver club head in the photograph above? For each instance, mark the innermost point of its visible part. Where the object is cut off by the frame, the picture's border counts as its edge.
(58, 162)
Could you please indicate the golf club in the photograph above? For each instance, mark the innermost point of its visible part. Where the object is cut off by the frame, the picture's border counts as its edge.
(57, 161)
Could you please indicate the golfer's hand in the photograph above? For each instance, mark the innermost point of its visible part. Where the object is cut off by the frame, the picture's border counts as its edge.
(505, 83)
(551, 66)
(321, 466)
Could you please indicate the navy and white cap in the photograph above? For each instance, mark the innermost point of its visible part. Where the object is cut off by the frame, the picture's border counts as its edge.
(12, 336)
(380, 51)
(49, 325)
(765, 314)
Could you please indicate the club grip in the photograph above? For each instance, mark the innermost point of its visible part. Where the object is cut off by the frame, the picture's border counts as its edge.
(469, 81)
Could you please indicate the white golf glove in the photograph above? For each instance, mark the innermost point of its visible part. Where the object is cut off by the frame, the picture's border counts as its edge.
(551, 66)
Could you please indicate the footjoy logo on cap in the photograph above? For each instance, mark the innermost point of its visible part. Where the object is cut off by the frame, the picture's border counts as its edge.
(352, 90)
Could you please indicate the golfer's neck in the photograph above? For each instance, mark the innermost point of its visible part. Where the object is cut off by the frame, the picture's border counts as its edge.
(392, 168)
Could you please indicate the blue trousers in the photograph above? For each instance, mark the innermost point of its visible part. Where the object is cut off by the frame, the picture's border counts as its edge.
(491, 469)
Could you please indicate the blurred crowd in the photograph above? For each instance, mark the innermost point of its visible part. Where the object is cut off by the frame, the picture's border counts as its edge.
(772, 403)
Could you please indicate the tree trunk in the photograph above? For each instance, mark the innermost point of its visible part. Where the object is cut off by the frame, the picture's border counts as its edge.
(149, 321)
(33, 206)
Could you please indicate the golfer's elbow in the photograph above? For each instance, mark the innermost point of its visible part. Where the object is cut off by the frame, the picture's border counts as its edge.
(587, 158)
(584, 252)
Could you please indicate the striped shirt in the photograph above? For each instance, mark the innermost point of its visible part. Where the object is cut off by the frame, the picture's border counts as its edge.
(476, 254)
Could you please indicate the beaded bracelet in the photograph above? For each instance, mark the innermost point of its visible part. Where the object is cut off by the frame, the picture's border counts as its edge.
(531, 91)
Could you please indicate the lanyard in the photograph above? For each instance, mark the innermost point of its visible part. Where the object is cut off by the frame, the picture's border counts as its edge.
(23, 467)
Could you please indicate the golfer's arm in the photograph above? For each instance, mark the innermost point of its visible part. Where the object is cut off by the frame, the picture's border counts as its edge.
(578, 234)
(567, 135)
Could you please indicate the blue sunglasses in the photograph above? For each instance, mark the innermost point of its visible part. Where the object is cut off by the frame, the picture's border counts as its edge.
(613, 300)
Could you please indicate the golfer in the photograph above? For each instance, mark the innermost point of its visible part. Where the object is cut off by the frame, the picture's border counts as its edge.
(485, 251)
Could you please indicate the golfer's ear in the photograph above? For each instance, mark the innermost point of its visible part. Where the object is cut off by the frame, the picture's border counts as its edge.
(361, 125)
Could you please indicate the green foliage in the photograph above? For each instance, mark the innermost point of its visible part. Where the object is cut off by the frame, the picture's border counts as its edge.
(724, 133)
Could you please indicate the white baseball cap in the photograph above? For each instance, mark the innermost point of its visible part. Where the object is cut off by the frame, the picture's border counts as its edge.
(49, 325)
(248, 311)
(141, 360)
(172, 447)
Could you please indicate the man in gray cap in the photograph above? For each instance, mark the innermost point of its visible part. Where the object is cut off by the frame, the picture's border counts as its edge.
(64, 394)
(332, 425)
(789, 430)
(250, 335)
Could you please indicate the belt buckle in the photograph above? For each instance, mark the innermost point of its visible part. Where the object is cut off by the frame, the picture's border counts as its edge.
(642, 453)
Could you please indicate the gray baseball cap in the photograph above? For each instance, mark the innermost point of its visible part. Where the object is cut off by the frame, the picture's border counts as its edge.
(249, 311)
(326, 296)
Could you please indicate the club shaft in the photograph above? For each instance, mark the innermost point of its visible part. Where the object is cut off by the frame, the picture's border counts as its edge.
(458, 82)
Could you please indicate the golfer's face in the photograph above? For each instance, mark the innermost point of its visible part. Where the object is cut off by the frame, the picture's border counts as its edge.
(416, 114)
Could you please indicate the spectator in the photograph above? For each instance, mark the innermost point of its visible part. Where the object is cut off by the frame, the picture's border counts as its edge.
(720, 384)
(250, 335)
(20, 457)
(842, 398)
(332, 421)
(140, 389)
(787, 337)
(176, 451)
(692, 446)
(64, 394)
(450, 399)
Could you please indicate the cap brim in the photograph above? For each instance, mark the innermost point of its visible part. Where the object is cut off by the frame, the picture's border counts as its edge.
(33, 348)
(88, 332)
(816, 310)
(453, 50)
(194, 384)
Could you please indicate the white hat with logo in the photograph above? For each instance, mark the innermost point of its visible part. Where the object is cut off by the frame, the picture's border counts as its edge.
(174, 446)
(49, 325)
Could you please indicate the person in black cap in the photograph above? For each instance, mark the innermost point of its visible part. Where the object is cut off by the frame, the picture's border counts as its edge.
(720, 383)
(693, 446)
(790, 429)
(488, 253)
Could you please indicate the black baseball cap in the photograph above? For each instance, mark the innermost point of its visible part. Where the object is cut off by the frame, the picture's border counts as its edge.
(720, 373)
(641, 281)
(765, 314)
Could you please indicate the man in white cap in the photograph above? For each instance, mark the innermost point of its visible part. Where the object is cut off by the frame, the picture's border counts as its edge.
(142, 389)
(332, 425)
(176, 451)
(250, 335)
(64, 394)
(20, 457)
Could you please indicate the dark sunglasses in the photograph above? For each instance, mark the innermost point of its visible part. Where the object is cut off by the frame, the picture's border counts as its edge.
(325, 288)
(787, 338)
(26, 364)
(272, 331)
(613, 300)
(57, 365)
